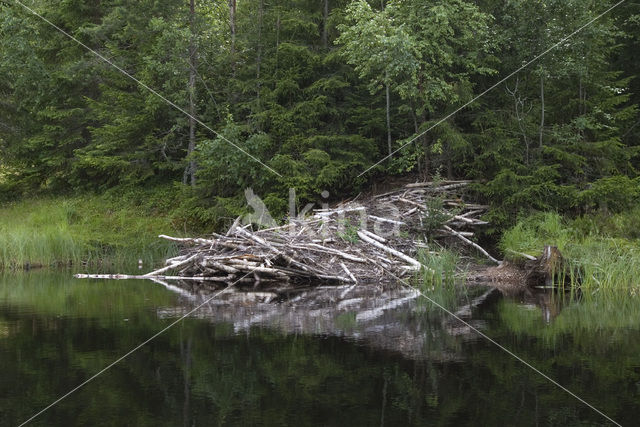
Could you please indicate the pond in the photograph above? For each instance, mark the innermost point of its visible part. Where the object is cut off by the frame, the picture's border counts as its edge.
(409, 364)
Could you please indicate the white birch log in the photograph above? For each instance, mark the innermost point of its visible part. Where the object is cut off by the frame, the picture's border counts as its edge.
(344, 267)
(374, 236)
(389, 250)
(175, 265)
(390, 221)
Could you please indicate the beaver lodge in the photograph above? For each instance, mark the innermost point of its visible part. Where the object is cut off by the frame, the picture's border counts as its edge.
(369, 242)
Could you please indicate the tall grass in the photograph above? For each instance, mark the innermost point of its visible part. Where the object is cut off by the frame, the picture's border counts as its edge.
(440, 280)
(88, 230)
(602, 251)
(441, 268)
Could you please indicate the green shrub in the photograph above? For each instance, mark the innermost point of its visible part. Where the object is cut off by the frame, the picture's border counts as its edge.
(615, 194)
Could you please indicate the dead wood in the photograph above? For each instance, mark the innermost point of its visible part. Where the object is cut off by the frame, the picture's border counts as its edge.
(370, 242)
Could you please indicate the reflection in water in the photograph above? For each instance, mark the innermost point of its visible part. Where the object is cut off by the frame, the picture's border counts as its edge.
(311, 361)
(549, 301)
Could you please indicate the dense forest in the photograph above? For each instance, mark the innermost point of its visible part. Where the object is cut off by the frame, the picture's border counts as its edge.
(270, 94)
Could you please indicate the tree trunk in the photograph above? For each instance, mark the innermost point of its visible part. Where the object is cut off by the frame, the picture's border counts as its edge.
(388, 120)
(259, 56)
(232, 26)
(190, 171)
(425, 144)
(277, 44)
(541, 110)
(580, 95)
(325, 37)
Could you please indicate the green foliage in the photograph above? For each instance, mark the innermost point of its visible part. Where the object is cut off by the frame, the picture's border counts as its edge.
(615, 194)
(349, 233)
(411, 47)
(531, 234)
(440, 280)
(304, 94)
(436, 215)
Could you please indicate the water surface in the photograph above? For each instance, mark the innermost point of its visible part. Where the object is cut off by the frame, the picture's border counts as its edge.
(409, 366)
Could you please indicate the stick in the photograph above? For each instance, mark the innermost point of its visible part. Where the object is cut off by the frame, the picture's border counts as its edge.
(377, 218)
(522, 254)
(322, 213)
(464, 233)
(290, 224)
(344, 267)
(430, 183)
(175, 259)
(219, 266)
(469, 242)
(332, 251)
(234, 225)
(188, 239)
(410, 211)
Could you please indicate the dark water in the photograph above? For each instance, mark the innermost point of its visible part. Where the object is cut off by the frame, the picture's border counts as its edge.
(410, 366)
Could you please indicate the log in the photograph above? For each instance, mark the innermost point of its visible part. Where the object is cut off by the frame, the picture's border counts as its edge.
(391, 251)
(145, 277)
(391, 221)
(176, 265)
(374, 236)
(344, 267)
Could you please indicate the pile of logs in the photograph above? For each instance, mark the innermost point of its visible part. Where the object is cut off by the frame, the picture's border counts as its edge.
(412, 200)
(368, 242)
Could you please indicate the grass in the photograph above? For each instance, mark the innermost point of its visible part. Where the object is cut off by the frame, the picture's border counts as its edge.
(440, 281)
(96, 230)
(441, 268)
(603, 249)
